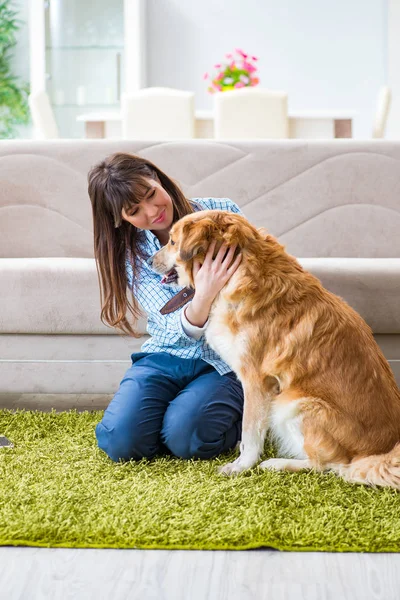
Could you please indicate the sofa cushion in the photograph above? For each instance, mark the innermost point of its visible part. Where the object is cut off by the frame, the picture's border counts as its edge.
(319, 197)
(61, 295)
(51, 295)
(370, 285)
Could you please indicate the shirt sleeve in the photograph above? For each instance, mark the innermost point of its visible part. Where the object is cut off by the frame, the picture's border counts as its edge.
(223, 204)
(190, 329)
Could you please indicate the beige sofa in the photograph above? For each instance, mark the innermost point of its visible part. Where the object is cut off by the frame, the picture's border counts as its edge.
(334, 204)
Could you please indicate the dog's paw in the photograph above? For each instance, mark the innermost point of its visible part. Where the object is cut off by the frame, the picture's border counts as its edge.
(293, 465)
(229, 469)
(235, 467)
(275, 464)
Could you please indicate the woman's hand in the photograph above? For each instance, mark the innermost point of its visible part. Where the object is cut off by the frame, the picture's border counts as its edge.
(211, 276)
(209, 279)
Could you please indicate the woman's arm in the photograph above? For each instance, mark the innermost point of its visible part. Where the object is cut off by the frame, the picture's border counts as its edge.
(197, 312)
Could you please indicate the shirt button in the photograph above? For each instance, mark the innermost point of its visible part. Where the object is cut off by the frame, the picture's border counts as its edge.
(184, 294)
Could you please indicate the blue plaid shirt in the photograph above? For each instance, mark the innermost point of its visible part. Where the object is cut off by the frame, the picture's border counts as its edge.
(166, 331)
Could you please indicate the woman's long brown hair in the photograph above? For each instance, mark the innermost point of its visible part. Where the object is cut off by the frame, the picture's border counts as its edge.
(118, 182)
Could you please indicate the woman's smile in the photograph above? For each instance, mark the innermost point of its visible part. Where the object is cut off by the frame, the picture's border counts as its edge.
(160, 218)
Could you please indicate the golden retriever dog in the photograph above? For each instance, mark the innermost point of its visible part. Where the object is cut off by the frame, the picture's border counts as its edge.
(311, 370)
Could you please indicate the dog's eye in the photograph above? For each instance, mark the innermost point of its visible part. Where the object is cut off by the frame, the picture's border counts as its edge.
(172, 242)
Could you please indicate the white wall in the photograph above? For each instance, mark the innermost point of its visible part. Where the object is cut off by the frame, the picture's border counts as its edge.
(328, 54)
(393, 129)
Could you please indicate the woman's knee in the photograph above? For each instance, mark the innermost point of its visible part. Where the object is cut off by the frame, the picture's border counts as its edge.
(128, 428)
(119, 443)
(200, 440)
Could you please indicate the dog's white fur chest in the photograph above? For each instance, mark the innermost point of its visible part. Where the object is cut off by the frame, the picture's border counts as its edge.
(222, 340)
(285, 429)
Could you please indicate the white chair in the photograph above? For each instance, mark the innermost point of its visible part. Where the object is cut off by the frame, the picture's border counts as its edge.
(249, 113)
(42, 116)
(158, 114)
(382, 112)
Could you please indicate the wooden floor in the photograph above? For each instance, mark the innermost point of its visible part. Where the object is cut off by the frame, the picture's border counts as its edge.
(63, 574)
(49, 574)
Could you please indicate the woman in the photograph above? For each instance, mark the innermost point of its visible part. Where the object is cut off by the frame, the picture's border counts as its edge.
(178, 397)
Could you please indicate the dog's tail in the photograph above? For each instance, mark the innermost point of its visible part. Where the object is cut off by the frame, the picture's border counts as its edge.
(380, 469)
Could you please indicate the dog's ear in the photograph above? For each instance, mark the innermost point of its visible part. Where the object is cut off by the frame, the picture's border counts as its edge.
(196, 237)
(234, 232)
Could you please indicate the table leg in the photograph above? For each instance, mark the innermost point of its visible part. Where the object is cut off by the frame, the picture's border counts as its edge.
(95, 129)
(343, 128)
(204, 128)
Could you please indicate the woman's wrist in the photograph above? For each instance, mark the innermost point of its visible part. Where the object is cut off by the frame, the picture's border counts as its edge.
(198, 310)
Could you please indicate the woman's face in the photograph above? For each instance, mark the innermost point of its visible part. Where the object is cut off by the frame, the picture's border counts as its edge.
(155, 212)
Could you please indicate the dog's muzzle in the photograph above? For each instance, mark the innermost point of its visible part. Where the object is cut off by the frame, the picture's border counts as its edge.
(170, 277)
(157, 263)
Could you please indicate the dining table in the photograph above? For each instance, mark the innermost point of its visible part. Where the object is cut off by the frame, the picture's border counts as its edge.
(303, 124)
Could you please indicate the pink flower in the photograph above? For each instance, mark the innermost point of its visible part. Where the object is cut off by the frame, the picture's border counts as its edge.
(254, 57)
(233, 65)
(239, 84)
(217, 66)
(205, 76)
(229, 55)
(241, 52)
(216, 86)
(245, 79)
(249, 67)
(220, 76)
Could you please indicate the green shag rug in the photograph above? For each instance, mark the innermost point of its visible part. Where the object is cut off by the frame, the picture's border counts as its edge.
(58, 489)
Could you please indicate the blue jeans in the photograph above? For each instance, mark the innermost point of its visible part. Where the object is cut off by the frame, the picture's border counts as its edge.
(171, 405)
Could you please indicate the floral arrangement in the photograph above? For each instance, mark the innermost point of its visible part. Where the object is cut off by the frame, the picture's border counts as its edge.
(235, 73)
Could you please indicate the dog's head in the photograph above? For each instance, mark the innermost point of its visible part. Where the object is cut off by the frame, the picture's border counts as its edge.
(190, 238)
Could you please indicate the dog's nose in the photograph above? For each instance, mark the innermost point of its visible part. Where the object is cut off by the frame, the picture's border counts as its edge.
(150, 261)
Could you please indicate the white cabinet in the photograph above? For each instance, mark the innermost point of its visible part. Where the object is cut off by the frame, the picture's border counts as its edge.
(85, 55)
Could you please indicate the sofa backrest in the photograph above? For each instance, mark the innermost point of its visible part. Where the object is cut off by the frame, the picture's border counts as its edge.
(321, 199)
